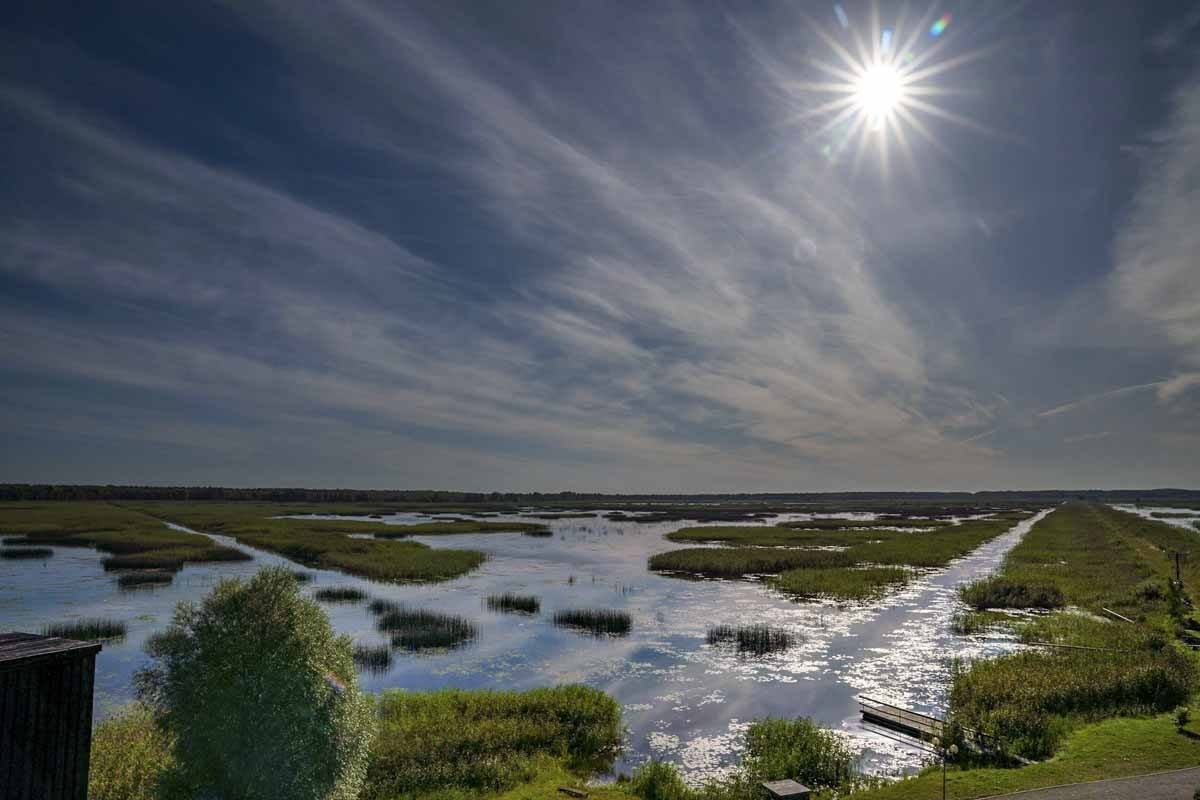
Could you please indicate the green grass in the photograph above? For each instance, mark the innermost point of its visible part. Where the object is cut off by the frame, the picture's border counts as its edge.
(839, 524)
(340, 594)
(841, 584)
(321, 543)
(514, 603)
(374, 658)
(1114, 748)
(756, 639)
(999, 592)
(466, 744)
(736, 562)
(596, 621)
(87, 630)
(446, 527)
(134, 540)
(16, 553)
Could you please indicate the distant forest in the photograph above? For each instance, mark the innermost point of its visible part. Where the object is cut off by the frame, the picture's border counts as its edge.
(29, 491)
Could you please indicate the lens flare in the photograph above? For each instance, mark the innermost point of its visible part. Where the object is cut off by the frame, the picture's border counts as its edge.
(879, 91)
(937, 28)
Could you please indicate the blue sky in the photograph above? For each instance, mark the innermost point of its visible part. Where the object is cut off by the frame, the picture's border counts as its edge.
(597, 246)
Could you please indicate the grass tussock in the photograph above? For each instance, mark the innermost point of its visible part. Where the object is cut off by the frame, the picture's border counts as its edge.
(514, 603)
(340, 594)
(466, 744)
(418, 629)
(739, 561)
(841, 584)
(301, 576)
(373, 658)
(144, 580)
(596, 621)
(1000, 592)
(14, 553)
(756, 639)
(450, 527)
(87, 630)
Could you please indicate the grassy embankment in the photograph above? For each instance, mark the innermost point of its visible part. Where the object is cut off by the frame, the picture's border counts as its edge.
(133, 541)
(872, 556)
(1092, 713)
(326, 543)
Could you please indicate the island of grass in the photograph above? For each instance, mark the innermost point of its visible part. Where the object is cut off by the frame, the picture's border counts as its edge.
(864, 565)
(319, 543)
(447, 527)
(134, 541)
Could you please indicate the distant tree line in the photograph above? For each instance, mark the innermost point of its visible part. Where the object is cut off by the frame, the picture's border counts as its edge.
(35, 491)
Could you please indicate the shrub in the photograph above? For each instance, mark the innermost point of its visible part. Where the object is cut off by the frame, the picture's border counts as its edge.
(260, 695)
(798, 749)
(659, 780)
(130, 756)
(997, 592)
(1183, 716)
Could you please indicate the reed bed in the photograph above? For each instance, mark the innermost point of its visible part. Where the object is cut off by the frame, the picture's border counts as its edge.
(373, 658)
(454, 526)
(538, 534)
(340, 594)
(416, 629)
(596, 621)
(88, 629)
(301, 576)
(734, 562)
(1000, 592)
(841, 584)
(15, 553)
(514, 603)
(757, 639)
(138, 580)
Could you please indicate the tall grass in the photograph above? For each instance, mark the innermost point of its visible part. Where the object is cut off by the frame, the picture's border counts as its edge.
(446, 527)
(87, 630)
(467, 744)
(130, 755)
(841, 584)
(596, 621)
(26, 552)
(735, 562)
(514, 603)
(757, 639)
(1000, 592)
(340, 594)
(137, 580)
(415, 629)
(374, 658)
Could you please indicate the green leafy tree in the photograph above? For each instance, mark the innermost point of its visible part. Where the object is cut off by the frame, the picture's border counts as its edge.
(260, 696)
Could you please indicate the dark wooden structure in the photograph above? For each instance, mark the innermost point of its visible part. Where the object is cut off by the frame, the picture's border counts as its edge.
(45, 716)
(787, 790)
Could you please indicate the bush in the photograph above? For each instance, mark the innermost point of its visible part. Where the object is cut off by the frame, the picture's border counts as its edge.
(799, 749)
(260, 695)
(130, 755)
(1183, 716)
(658, 780)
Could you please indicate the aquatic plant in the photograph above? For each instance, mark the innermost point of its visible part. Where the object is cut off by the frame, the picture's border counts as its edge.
(87, 629)
(522, 603)
(734, 562)
(301, 576)
(26, 552)
(444, 527)
(758, 639)
(415, 629)
(1001, 592)
(134, 580)
(597, 621)
(841, 584)
(340, 594)
(541, 533)
(375, 658)
(461, 744)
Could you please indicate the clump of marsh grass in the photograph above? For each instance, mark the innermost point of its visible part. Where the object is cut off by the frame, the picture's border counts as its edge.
(168, 560)
(415, 629)
(997, 592)
(374, 658)
(138, 580)
(26, 552)
(340, 594)
(87, 630)
(597, 621)
(757, 639)
(301, 576)
(514, 603)
(542, 533)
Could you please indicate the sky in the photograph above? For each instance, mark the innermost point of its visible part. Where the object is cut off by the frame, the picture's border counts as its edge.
(599, 246)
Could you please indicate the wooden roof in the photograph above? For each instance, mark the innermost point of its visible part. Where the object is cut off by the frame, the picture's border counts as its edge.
(22, 649)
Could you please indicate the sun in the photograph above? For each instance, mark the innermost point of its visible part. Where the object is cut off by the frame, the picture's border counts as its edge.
(879, 91)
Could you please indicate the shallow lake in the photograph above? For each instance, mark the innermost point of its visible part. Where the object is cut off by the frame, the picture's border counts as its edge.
(682, 699)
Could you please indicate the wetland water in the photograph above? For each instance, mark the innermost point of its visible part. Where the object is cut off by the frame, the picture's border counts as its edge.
(682, 699)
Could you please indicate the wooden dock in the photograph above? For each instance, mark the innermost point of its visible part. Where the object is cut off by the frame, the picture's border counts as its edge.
(901, 720)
